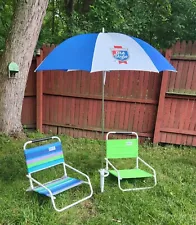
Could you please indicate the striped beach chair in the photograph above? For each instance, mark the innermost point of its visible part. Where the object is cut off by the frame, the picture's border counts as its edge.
(124, 149)
(45, 156)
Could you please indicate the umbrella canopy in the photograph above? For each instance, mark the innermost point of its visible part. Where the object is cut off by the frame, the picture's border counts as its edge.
(105, 52)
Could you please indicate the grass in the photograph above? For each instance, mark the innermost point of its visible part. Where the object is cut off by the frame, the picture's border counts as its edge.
(171, 202)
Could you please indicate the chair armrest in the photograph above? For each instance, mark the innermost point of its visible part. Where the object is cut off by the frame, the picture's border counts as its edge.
(113, 167)
(40, 184)
(145, 163)
(78, 171)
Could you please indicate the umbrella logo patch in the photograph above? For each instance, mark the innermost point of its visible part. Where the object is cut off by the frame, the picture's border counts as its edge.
(120, 54)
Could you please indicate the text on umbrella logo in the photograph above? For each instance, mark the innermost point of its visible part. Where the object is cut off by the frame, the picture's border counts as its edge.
(121, 54)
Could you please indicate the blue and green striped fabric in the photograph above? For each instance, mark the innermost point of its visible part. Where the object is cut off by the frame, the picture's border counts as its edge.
(42, 157)
(59, 186)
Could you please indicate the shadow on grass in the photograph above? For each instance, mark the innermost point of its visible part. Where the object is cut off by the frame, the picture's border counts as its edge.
(130, 183)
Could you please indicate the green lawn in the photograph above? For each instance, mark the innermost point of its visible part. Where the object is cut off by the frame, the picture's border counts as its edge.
(172, 201)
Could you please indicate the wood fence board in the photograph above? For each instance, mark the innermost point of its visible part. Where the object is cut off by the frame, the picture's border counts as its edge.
(50, 109)
(192, 126)
(86, 112)
(177, 114)
(117, 115)
(131, 116)
(193, 82)
(45, 109)
(146, 78)
(135, 87)
(141, 84)
(157, 86)
(179, 76)
(143, 119)
(29, 111)
(189, 47)
(130, 84)
(114, 83)
(120, 84)
(122, 116)
(194, 48)
(183, 48)
(190, 75)
(110, 109)
(97, 83)
(140, 118)
(77, 112)
(163, 137)
(166, 113)
(173, 76)
(150, 85)
(94, 83)
(126, 116)
(148, 119)
(113, 116)
(30, 89)
(176, 47)
(60, 110)
(125, 82)
(90, 112)
(172, 113)
(184, 75)
(193, 141)
(94, 118)
(145, 109)
(98, 118)
(152, 116)
(135, 117)
(82, 112)
(56, 111)
(185, 104)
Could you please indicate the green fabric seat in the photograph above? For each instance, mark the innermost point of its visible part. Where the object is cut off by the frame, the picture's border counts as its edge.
(132, 173)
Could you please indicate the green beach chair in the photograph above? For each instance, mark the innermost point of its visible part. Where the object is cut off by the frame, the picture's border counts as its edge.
(45, 156)
(121, 149)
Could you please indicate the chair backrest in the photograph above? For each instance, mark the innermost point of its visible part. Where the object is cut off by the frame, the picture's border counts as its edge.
(44, 156)
(121, 148)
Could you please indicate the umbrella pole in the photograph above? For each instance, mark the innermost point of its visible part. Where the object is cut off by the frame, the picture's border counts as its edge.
(103, 110)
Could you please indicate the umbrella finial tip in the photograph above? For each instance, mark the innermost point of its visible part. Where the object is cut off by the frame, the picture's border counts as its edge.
(103, 30)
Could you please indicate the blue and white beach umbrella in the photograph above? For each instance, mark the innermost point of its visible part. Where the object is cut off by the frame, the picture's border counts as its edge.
(105, 52)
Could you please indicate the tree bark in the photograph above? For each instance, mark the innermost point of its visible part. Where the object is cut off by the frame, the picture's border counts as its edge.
(20, 45)
(86, 5)
(69, 6)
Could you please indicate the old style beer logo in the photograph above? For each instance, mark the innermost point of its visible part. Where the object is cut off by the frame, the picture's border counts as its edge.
(120, 54)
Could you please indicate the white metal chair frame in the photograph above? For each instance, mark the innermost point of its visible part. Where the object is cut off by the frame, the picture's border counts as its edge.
(52, 197)
(105, 172)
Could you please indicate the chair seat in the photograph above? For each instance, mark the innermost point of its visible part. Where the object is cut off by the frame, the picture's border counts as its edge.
(58, 186)
(131, 173)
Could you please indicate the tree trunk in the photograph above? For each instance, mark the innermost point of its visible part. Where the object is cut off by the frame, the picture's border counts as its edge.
(20, 45)
(86, 5)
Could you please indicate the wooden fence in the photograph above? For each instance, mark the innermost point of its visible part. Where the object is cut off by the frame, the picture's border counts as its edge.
(160, 107)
